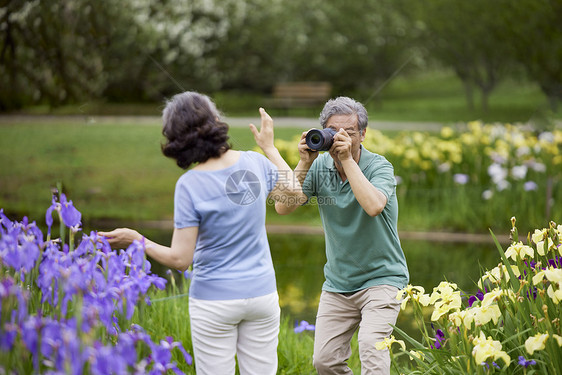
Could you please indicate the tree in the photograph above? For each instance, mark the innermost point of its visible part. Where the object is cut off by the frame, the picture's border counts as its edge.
(470, 37)
(257, 47)
(537, 39)
(58, 52)
(354, 45)
(48, 52)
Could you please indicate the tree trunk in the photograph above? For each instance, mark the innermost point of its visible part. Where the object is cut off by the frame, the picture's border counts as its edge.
(469, 94)
(485, 100)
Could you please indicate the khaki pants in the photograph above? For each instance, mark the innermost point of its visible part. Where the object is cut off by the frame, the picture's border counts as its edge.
(372, 310)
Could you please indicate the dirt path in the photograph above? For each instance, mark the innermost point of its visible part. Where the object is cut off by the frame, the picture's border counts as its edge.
(298, 122)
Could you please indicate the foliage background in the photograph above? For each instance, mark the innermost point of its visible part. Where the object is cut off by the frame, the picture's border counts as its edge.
(71, 51)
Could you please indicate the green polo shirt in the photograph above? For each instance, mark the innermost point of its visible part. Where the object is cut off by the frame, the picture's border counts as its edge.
(361, 251)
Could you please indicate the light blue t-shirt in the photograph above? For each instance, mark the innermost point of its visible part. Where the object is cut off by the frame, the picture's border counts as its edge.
(232, 259)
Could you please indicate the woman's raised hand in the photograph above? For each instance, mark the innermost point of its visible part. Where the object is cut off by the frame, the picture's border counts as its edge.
(264, 136)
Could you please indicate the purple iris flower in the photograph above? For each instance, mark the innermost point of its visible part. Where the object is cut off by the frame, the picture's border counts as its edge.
(171, 344)
(439, 339)
(161, 355)
(107, 359)
(493, 364)
(460, 178)
(135, 253)
(526, 363)
(69, 214)
(553, 262)
(157, 281)
(30, 330)
(556, 262)
(472, 299)
(19, 246)
(55, 206)
(304, 326)
(87, 246)
(8, 336)
(101, 359)
(29, 254)
(126, 348)
(49, 273)
(52, 342)
(103, 280)
(4, 221)
(530, 186)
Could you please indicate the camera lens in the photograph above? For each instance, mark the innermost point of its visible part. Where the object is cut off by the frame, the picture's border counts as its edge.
(316, 139)
(320, 139)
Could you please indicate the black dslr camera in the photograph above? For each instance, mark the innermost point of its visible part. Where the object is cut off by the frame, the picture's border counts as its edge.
(320, 139)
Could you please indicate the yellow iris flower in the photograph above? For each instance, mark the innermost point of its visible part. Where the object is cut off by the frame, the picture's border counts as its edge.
(445, 298)
(485, 348)
(387, 343)
(519, 250)
(485, 314)
(414, 293)
(536, 342)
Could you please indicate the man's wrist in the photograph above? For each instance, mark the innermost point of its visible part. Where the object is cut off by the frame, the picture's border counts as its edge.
(348, 160)
(304, 164)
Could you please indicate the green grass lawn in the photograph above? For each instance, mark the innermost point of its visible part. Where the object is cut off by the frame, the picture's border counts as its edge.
(116, 170)
(436, 96)
(440, 97)
(111, 171)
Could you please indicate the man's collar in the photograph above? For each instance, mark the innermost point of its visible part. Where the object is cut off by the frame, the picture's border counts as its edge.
(364, 158)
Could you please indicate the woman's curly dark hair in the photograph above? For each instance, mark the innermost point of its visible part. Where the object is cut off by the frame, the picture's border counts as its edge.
(193, 129)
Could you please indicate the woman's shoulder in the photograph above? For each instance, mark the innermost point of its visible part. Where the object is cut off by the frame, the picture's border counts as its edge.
(254, 157)
(185, 177)
(252, 154)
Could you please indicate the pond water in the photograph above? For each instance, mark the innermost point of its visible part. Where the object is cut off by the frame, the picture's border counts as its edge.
(299, 260)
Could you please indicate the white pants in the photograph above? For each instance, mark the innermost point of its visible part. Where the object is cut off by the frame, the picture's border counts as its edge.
(247, 328)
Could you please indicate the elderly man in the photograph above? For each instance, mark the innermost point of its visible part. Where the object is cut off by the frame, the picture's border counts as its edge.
(365, 268)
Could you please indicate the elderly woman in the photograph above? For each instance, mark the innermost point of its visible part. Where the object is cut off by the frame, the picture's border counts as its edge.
(219, 229)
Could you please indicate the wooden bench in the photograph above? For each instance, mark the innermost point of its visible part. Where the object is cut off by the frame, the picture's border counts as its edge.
(288, 95)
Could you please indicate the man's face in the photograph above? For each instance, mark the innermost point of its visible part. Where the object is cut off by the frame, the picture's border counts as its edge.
(349, 124)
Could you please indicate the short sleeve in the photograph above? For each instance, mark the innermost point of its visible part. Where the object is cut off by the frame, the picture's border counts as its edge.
(185, 214)
(382, 177)
(309, 185)
(271, 174)
(269, 170)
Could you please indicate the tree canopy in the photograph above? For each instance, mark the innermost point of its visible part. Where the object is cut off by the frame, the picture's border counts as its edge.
(64, 51)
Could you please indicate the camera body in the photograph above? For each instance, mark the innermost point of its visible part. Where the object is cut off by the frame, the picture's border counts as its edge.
(320, 139)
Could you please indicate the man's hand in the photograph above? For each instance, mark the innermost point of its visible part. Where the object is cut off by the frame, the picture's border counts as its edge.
(342, 146)
(307, 156)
